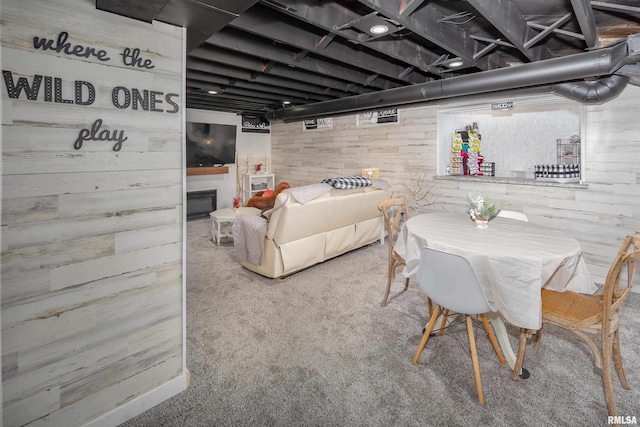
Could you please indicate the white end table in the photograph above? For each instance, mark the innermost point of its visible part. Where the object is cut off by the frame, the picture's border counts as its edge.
(226, 216)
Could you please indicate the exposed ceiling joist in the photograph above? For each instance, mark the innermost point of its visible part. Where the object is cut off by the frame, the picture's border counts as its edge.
(233, 39)
(257, 54)
(508, 20)
(547, 31)
(586, 20)
(265, 22)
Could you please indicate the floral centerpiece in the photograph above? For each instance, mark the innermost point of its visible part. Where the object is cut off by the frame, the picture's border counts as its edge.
(480, 209)
(237, 201)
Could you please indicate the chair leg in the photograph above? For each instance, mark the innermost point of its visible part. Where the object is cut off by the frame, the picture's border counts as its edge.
(538, 338)
(617, 360)
(387, 291)
(427, 332)
(594, 348)
(444, 321)
(515, 375)
(474, 359)
(390, 274)
(607, 346)
(492, 338)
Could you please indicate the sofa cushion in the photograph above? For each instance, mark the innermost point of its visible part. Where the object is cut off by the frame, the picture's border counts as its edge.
(298, 221)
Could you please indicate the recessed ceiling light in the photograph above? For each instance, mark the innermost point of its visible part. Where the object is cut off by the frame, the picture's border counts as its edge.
(286, 102)
(212, 92)
(378, 29)
(456, 63)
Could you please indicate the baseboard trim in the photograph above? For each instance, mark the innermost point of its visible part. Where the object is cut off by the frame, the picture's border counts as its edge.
(142, 403)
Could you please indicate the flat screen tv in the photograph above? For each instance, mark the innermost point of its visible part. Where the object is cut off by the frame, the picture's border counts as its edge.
(210, 144)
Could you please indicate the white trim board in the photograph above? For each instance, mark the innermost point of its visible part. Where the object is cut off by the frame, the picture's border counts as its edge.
(142, 403)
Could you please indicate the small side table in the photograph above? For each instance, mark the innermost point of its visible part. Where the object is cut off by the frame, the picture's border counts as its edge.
(226, 216)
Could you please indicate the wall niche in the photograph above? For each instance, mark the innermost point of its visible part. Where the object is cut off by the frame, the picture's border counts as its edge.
(515, 138)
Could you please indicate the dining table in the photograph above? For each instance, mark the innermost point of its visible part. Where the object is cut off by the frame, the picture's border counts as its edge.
(512, 259)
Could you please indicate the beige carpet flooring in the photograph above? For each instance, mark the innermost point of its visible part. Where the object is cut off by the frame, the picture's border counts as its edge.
(318, 350)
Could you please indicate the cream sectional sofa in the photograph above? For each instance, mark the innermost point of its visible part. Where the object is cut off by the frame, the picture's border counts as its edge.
(301, 235)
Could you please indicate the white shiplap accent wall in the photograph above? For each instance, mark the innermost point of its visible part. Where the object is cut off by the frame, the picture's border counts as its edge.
(598, 216)
(92, 239)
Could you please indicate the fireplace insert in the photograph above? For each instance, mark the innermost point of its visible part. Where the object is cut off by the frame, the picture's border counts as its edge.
(201, 203)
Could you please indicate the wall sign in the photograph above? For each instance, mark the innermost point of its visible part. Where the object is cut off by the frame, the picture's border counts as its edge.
(378, 117)
(50, 88)
(317, 124)
(255, 124)
(502, 105)
(96, 133)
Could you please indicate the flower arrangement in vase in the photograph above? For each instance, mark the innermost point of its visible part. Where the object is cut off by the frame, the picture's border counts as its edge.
(237, 201)
(480, 209)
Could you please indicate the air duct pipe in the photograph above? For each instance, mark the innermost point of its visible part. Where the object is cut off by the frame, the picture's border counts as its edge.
(592, 92)
(602, 62)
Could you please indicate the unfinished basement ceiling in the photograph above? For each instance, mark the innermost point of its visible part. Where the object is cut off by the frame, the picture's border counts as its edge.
(263, 56)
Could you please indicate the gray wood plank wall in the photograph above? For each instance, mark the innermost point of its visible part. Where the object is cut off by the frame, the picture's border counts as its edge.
(92, 238)
(598, 216)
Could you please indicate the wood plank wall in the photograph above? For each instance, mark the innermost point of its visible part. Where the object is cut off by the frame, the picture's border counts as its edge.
(598, 216)
(92, 239)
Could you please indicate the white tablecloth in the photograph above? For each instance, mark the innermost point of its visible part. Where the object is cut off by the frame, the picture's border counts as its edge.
(512, 259)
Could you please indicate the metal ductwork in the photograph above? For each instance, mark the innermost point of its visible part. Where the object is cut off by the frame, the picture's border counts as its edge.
(595, 63)
(592, 92)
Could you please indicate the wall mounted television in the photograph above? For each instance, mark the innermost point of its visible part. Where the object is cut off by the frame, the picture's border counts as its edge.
(210, 144)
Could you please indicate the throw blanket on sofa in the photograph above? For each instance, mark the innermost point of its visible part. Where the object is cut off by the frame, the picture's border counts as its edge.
(307, 193)
(248, 237)
(347, 182)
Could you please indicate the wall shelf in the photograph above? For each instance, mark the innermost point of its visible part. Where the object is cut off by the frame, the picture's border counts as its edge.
(208, 170)
(512, 181)
(252, 184)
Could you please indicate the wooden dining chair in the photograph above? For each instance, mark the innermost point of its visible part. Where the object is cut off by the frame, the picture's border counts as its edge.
(594, 314)
(452, 284)
(394, 211)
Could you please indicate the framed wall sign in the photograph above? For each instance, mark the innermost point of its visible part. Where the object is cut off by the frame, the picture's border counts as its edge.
(255, 124)
(317, 124)
(378, 117)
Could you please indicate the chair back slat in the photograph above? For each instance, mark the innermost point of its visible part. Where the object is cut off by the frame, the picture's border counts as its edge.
(394, 210)
(613, 296)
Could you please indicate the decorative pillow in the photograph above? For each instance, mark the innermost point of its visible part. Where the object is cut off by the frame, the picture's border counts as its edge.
(347, 182)
(263, 202)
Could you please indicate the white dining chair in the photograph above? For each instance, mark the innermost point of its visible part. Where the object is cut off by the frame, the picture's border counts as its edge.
(505, 213)
(452, 284)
